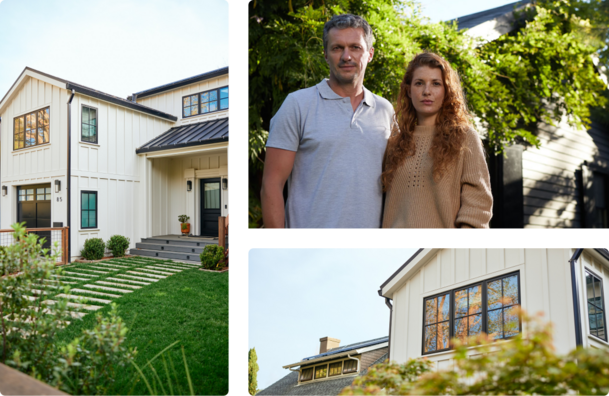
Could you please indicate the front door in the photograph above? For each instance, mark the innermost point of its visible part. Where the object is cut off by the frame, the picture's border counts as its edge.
(210, 206)
(34, 208)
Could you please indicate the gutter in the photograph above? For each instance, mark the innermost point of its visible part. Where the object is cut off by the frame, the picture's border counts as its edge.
(69, 183)
(575, 291)
(390, 306)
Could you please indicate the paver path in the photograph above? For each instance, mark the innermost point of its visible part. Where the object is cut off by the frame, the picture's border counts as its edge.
(94, 285)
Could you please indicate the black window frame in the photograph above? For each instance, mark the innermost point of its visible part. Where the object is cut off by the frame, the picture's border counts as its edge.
(82, 123)
(600, 279)
(484, 303)
(199, 94)
(88, 210)
(23, 117)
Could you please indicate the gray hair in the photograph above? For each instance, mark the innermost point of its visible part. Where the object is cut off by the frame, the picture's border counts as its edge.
(344, 21)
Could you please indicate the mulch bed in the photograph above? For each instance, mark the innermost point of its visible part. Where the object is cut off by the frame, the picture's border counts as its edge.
(103, 259)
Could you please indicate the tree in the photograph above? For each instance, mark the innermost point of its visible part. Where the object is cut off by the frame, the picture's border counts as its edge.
(252, 371)
(525, 364)
(541, 72)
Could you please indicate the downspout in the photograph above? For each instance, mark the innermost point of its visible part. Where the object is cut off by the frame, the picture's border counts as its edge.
(388, 303)
(69, 183)
(575, 291)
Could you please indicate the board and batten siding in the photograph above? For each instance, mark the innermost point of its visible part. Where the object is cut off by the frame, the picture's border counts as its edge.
(171, 101)
(169, 197)
(544, 281)
(551, 174)
(39, 164)
(112, 168)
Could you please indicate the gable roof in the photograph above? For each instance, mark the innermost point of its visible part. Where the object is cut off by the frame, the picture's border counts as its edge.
(69, 85)
(179, 83)
(491, 24)
(288, 385)
(206, 132)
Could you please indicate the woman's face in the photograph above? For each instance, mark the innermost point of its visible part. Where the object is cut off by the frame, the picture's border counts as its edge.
(427, 93)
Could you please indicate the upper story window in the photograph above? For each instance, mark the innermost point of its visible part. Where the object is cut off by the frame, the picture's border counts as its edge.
(32, 129)
(327, 370)
(489, 306)
(596, 306)
(88, 131)
(205, 102)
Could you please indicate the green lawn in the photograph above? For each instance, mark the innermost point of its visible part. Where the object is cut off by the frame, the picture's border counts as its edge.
(191, 307)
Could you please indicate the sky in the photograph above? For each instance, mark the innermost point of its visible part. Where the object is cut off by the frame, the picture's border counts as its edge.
(444, 10)
(115, 46)
(297, 296)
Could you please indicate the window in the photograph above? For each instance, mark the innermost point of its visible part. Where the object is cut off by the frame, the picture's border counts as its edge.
(488, 307)
(89, 125)
(31, 129)
(205, 102)
(335, 369)
(88, 209)
(596, 307)
(350, 366)
(306, 374)
(321, 371)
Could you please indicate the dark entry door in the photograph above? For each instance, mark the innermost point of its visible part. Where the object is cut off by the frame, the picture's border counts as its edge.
(210, 206)
(34, 207)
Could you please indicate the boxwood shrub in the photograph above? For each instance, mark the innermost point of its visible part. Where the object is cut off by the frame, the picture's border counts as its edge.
(94, 249)
(212, 256)
(117, 244)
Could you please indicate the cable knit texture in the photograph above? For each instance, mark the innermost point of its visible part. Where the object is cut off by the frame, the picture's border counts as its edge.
(460, 199)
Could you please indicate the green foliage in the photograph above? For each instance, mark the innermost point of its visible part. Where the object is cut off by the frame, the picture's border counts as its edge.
(540, 72)
(29, 325)
(183, 218)
(94, 249)
(212, 257)
(523, 365)
(117, 244)
(252, 371)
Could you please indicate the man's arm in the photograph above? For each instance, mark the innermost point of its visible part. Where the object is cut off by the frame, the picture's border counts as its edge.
(278, 165)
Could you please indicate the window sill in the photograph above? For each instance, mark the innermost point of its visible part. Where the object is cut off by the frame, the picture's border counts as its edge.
(89, 144)
(597, 340)
(89, 229)
(30, 148)
(300, 383)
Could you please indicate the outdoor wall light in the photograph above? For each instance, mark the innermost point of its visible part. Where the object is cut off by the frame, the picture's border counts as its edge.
(4, 191)
(224, 184)
(57, 186)
(189, 185)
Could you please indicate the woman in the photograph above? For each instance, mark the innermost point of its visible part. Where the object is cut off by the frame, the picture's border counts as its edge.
(435, 173)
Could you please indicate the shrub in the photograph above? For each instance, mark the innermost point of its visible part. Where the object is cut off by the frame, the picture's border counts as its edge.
(118, 244)
(94, 249)
(212, 257)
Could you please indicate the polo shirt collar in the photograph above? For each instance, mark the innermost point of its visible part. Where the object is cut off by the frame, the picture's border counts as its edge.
(327, 93)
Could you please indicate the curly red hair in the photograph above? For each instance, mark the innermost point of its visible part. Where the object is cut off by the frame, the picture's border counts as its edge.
(452, 123)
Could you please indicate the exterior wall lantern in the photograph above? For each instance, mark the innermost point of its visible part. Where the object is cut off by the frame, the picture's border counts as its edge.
(57, 186)
(224, 183)
(189, 185)
(4, 191)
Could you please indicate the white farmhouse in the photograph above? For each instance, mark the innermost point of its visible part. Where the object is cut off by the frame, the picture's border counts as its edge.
(72, 156)
(439, 294)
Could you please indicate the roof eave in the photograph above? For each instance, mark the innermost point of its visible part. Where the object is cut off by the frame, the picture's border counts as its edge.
(181, 145)
(181, 83)
(29, 72)
(355, 351)
(404, 272)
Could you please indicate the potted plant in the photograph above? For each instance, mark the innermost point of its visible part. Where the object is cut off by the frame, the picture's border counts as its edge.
(185, 226)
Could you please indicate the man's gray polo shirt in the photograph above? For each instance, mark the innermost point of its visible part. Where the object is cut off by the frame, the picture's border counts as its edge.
(335, 182)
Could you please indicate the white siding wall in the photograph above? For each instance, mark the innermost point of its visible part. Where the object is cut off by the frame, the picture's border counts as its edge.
(171, 101)
(545, 286)
(112, 168)
(169, 197)
(38, 164)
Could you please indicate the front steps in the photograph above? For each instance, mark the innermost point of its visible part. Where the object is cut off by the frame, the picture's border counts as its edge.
(174, 248)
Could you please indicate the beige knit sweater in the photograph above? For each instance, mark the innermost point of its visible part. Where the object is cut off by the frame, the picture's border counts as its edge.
(460, 199)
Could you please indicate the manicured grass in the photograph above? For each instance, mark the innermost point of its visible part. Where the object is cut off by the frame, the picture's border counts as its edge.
(190, 306)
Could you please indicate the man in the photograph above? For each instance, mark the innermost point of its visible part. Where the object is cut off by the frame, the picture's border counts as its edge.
(328, 141)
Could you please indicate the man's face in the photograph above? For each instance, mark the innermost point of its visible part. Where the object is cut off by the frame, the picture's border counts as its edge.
(347, 55)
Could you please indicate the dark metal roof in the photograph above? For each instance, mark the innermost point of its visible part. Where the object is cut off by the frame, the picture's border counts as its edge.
(345, 348)
(206, 132)
(179, 83)
(472, 20)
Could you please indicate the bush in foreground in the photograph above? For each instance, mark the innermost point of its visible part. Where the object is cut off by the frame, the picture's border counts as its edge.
(212, 257)
(94, 249)
(523, 365)
(118, 244)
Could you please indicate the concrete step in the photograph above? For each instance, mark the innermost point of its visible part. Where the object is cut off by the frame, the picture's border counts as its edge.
(170, 247)
(192, 257)
(191, 242)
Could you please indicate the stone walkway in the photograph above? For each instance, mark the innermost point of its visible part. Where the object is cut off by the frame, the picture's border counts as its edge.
(94, 285)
